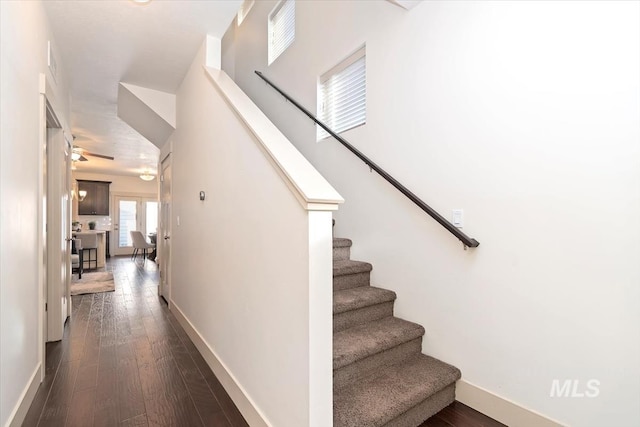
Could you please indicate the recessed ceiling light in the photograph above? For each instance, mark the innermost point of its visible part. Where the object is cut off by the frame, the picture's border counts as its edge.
(141, 1)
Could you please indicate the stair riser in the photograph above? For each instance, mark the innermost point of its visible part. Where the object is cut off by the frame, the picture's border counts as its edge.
(370, 365)
(348, 319)
(351, 281)
(341, 253)
(425, 409)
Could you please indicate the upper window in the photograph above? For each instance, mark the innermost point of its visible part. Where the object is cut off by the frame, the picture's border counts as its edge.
(342, 95)
(282, 28)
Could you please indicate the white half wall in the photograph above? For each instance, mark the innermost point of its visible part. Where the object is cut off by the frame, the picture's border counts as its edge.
(24, 36)
(243, 261)
(527, 116)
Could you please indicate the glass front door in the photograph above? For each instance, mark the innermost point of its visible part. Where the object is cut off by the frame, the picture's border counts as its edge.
(134, 213)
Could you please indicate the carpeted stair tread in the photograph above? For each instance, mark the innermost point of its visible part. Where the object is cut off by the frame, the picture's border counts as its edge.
(341, 249)
(355, 298)
(380, 376)
(394, 390)
(361, 304)
(339, 242)
(365, 340)
(348, 266)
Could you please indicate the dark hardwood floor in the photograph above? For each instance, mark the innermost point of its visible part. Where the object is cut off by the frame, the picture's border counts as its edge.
(125, 361)
(460, 415)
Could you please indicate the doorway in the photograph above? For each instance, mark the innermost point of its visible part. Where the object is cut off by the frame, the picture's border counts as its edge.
(164, 234)
(57, 172)
(133, 213)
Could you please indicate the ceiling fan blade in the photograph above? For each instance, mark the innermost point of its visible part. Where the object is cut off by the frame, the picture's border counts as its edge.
(82, 158)
(102, 156)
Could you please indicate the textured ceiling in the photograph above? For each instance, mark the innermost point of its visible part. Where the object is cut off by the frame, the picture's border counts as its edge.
(102, 43)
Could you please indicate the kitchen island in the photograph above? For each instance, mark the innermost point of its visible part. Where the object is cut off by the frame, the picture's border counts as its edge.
(101, 252)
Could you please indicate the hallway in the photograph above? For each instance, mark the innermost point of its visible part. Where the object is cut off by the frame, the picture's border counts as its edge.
(125, 360)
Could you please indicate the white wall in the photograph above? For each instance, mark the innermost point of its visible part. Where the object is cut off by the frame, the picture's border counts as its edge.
(524, 114)
(240, 259)
(23, 41)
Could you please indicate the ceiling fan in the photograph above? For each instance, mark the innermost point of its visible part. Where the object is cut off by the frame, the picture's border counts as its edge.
(78, 155)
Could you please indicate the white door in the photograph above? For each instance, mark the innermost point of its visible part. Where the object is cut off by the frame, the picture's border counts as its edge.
(164, 232)
(126, 221)
(66, 231)
(133, 213)
(58, 230)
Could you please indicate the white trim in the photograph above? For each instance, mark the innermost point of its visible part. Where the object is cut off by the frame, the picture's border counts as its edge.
(499, 408)
(165, 229)
(305, 182)
(320, 320)
(249, 410)
(18, 414)
(41, 233)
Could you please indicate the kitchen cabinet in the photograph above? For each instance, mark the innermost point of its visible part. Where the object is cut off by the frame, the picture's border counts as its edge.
(96, 201)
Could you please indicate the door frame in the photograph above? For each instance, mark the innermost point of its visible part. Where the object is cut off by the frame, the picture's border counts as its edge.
(58, 227)
(42, 230)
(164, 229)
(115, 197)
(48, 108)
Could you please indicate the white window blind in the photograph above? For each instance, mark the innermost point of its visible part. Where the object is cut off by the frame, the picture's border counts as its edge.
(342, 95)
(282, 28)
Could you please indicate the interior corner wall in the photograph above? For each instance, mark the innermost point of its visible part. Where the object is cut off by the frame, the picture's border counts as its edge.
(525, 115)
(23, 57)
(239, 258)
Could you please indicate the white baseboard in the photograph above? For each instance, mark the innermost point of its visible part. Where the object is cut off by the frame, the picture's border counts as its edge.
(247, 408)
(499, 408)
(26, 399)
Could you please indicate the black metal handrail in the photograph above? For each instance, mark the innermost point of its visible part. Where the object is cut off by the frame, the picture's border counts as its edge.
(466, 240)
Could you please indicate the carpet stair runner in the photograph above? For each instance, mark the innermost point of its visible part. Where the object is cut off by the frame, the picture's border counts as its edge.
(380, 376)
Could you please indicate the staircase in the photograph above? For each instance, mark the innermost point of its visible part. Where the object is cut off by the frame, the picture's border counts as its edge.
(380, 376)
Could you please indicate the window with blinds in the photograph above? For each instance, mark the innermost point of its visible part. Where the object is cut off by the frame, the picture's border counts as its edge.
(282, 28)
(342, 95)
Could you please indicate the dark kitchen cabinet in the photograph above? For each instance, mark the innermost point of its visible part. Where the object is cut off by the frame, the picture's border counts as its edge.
(96, 201)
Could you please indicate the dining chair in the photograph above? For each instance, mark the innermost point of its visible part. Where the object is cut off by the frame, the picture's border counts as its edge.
(139, 242)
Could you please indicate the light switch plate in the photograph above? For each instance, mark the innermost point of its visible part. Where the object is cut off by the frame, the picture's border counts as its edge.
(458, 218)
